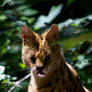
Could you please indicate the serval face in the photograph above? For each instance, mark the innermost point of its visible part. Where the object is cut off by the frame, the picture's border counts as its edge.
(39, 52)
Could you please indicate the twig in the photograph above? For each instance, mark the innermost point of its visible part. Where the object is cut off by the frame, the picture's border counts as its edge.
(18, 82)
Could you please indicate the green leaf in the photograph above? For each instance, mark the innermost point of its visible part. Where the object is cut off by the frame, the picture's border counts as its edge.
(53, 13)
(73, 41)
(22, 65)
(70, 2)
(3, 17)
(22, 8)
(29, 12)
(5, 2)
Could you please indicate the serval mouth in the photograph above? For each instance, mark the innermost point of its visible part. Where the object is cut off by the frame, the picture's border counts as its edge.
(41, 74)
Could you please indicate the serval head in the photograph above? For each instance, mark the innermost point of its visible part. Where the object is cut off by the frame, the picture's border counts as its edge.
(41, 53)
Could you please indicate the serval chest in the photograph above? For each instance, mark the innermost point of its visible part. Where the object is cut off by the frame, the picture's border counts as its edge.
(49, 70)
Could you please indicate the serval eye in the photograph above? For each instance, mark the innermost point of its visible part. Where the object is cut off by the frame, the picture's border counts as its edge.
(33, 59)
(47, 58)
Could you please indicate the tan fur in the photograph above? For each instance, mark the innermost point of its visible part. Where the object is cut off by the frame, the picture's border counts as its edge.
(40, 51)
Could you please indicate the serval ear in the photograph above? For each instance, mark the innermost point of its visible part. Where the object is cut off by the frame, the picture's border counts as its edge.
(28, 36)
(52, 34)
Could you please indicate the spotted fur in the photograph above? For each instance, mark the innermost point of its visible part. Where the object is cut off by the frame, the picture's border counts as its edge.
(49, 70)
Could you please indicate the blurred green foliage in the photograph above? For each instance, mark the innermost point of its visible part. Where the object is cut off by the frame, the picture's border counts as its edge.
(75, 36)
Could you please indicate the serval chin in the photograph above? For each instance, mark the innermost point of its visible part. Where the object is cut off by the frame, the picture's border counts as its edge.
(49, 70)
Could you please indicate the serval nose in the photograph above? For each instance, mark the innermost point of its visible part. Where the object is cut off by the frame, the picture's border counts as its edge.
(39, 68)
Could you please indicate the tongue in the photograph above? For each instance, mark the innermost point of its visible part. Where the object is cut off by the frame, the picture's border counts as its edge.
(41, 75)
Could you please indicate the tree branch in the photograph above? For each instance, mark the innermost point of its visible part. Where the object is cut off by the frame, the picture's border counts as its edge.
(18, 82)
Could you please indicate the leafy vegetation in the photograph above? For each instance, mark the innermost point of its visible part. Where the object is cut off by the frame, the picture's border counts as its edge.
(75, 36)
